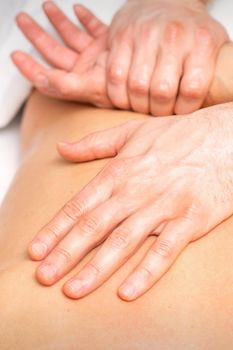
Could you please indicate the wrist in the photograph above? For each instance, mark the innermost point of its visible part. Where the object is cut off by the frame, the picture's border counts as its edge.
(221, 89)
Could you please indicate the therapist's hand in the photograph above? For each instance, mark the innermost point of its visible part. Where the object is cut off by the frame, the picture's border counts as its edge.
(77, 69)
(167, 35)
(170, 177)
(162, 56)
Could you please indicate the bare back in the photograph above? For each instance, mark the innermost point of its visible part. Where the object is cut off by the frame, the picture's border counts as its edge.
(190, 308)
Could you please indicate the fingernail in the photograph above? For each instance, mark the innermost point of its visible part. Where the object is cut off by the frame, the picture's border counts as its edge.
(39, 249)
(76, 286)
(48, 272)
(41, 80)
(128, 290)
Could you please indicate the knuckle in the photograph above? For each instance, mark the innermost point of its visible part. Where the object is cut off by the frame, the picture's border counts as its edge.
(123, 35)
(205, 38)
(121, 103)
(138, 86)
(120, 238)
(64, 88)
(92, 138)
(64, 253)
(163, 91)
(52, 232)
(163, 248)
(64, 24)
(146, 272)
(73, 210)
(192, 90)
(173, 32)
(94, 24)
(90, 225)
(116, 168)
(116, 74)
(100, 100)
(40, 40)
(147, 29)
(94, 268)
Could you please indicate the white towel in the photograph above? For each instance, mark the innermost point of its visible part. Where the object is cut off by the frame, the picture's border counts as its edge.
(14, 89)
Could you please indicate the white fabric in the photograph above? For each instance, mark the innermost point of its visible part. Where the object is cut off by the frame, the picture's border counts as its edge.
(11, 83)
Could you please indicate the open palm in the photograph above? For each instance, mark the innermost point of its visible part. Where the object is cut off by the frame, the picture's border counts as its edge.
(78, 68)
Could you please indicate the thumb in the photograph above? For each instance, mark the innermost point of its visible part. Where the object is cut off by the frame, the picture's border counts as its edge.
(97, 145)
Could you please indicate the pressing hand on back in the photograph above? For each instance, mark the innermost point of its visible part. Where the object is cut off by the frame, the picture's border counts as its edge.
(162, 56)
(170, 177)
(157, 57)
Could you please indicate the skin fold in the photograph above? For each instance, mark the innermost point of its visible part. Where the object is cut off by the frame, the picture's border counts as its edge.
(189, 308)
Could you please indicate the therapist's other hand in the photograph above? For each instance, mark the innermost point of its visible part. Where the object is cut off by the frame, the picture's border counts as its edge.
(170, 177)
(78, 67)
(162, 56)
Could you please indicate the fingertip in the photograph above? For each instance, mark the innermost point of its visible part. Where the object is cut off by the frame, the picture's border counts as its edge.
(17, 18)
(37, 250)
(46, 274)
(64, 151)
(68, 291)
(73, 289)
(80, 8)
(22, 17)
(63, 147)
(127, 292)
(82, 12)
(17, 56)
(13, 55)
(68, 154)
(47, 5)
